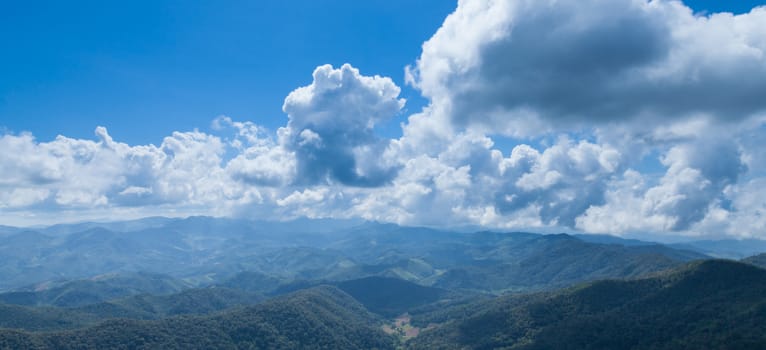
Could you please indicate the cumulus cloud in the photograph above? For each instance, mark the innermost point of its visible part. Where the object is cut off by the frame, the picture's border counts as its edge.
(621, 115)
(694, 186)
(631, 79)
(330, 127)
(328, 141)
(563, 181)
(184, 171)
(471, 182)
(329, 137)
(259, 160)
(509, 65)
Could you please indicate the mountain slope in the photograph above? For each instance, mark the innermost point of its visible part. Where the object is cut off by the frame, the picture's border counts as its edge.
(205, 251)
(318, 318)
(252, 281)
(757, 260)
(710, 304)
(550, 261)
(390, 296)
(197, 301)
(385, 296)
(94, 290)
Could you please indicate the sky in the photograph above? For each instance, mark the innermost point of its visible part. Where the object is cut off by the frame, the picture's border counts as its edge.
(624, 117)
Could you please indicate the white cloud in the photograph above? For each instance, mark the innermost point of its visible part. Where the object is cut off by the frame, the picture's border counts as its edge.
(70, 174)
(263, 165)
(636, 77)
(521, 67)
(330, 127)
(747, 215)
(696, 181)
(307, 196)
(22, 197)
(588, 90)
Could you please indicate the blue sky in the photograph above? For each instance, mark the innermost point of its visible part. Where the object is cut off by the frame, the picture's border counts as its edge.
(146, 68)
(607, 116)
(176, 65)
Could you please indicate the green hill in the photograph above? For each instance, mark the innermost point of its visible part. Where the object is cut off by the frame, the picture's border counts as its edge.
(318, 318)
(554, 261)
(252, 281)
(94, 290)
(385, 296)
(42, 318)
(711, 304)
(390, 296)
(198, 301)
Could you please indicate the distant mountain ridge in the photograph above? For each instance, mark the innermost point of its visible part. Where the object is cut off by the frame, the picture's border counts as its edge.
(97, 289)
(757, 260)
(725, 248)
(203, 251)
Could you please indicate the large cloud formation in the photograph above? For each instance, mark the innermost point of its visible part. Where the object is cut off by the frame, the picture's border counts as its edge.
(331, 123)
(614, 116)
(329, 136)
(513, 66)
(45, 180)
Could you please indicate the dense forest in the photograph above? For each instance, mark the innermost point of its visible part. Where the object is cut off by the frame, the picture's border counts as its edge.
(712, 304)
(318, 318)
(706, 304)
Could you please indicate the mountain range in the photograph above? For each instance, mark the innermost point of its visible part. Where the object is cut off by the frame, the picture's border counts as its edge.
(712, 304)
(201, 251)
(204, 282)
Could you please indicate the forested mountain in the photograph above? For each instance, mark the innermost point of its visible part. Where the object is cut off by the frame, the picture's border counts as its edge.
(385, 296)
(557, 260)
(204, 282)
(253, 282)
(704, 304)
(757, 260)
(316, 318)
(390, 296)
(200, 251)
(97, 289)
(197, 301)
(712, 304)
